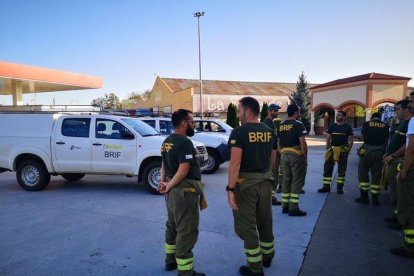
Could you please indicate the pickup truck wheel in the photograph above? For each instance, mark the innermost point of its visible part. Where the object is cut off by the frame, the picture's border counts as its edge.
(32, 175)
(72, 176)
(213, 162)
(152, 176)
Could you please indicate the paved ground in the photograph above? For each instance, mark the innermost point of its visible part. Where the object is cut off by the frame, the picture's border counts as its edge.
(353, 239)
(106, 225)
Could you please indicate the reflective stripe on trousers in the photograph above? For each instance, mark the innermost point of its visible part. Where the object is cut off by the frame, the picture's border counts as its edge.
(253, 255)
(364, 186)
(184, 264)
(170, 248)
(267, 247)
(327, 180)
(409, 237)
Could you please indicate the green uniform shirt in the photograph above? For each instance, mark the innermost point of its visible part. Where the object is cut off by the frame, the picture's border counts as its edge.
(257, 142)
(398, 140)
(339, 134)
(177, 149)
(277, 123)
(269, 123)
(289, 133)
(375, 132)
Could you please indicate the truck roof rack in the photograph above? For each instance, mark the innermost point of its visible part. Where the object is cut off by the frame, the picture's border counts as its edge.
(50, 109)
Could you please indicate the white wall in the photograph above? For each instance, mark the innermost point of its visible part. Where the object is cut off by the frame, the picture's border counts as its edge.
(338, 96)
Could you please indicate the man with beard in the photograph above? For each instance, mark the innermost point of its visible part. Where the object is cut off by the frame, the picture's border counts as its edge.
(184, 192)
(405, 186)
(253, 153)
(394, 155)
(338, 145)
(273, 111)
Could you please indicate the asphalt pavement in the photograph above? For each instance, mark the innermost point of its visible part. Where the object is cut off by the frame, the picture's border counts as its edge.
(352, 238)
(110, 225)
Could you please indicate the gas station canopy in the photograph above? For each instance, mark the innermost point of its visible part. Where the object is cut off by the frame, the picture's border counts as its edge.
(18, 79)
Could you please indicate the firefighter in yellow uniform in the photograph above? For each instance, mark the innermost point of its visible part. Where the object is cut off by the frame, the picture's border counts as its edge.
(184, 193)
(293, 165)
(375, 134)
(338, 145)
(253, 152)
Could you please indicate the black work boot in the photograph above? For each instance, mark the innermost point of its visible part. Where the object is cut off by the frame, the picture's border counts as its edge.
(325, 189)
(195, 273)
(267, 263)
(170, 266)
(340, 189)
(285, 209)
(363, 198)
(245, 270)
(275, 201)
(296, 213)
(375, 200)
(170, 262)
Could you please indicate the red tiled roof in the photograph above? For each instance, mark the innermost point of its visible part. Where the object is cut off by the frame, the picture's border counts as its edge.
(233, 87)
(369, 76)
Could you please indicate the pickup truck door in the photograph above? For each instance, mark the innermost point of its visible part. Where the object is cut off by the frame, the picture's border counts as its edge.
(114, 148)
(72, 145)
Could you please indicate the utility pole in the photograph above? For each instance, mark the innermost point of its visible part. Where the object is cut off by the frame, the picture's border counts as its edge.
(198, 15)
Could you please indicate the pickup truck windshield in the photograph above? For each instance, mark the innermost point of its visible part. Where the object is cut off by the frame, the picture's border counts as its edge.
(142, 128)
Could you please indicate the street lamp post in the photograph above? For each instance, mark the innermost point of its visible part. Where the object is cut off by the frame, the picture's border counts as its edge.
(198, 15)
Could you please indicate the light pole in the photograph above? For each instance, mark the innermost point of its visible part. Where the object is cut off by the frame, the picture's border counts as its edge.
(198, 14)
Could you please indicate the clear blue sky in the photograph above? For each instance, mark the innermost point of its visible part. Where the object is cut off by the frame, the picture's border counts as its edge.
(128, 42)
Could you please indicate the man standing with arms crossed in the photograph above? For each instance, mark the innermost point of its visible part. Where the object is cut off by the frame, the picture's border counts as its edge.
(338, 145)
(405, 186)
(375, 134)
(180, 182)
(273, 111)
(294, 152)
(253, 152)
(395, 153)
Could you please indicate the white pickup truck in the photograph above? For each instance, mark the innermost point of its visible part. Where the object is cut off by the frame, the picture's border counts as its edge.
(216, 143)
(37, 145)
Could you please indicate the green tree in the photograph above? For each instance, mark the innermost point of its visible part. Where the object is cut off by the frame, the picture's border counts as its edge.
(137, 95)
(109, 101)
(232, 119)
(303, 99)
(263, 113)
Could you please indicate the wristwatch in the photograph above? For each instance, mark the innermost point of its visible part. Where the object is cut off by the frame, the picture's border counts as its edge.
(229, 189)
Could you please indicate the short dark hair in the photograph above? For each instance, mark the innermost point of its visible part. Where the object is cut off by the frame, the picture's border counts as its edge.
(252, 104)
(291, 109)
(342, 112)
(376, 115)
(412, 93)
(179, 116)
(403, 103)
